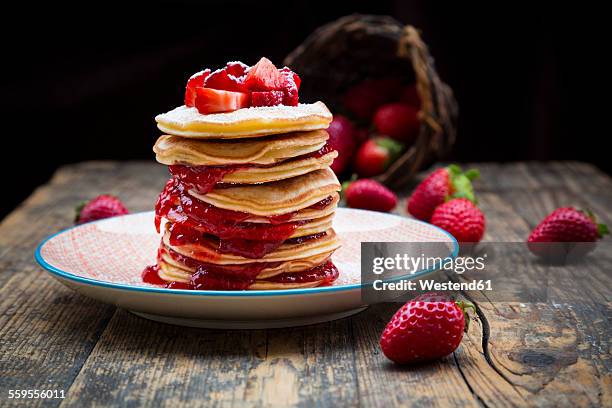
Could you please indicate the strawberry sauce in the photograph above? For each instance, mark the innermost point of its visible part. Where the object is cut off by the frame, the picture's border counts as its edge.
(236, 277)
(204, 178)
(192, 218)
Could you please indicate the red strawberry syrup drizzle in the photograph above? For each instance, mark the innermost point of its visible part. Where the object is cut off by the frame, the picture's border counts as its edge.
(204, 178)
(235, 277)
(192, 219)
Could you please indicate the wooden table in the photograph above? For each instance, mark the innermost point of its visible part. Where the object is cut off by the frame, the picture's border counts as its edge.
(531, 354)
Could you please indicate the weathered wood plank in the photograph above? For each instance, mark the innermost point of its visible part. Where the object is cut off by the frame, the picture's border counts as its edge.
(47, 331)
(544, 354)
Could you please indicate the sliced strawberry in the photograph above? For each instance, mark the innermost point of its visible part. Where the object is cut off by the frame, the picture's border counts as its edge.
(264, 76)
(236, 68)
(220, 79)
(195, 81)
(291, 97)
(267, 98)
(288, 72)
(210, 100)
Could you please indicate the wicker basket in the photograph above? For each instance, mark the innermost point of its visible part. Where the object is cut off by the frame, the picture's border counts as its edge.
(353, 48)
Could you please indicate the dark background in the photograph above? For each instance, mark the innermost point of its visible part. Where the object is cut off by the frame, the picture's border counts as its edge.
(84, 82)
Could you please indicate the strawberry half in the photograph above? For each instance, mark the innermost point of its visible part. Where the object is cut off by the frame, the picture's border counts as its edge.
(210, 100)
(267, 98)
(195, 81)
(440, 186)
(264, 76)
(221, 79)
(236, 68)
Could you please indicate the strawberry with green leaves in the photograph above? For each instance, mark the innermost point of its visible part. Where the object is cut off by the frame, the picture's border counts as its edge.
(440, 186)
(427, 328)
(559, 235)
(376, 155)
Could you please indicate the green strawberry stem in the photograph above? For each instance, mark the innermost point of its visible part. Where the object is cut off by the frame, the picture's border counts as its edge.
(464, 305)
(461, 182)
(393, 147)
(602, 229)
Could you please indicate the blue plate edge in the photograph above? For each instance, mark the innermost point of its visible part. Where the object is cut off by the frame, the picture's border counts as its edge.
(228, 293)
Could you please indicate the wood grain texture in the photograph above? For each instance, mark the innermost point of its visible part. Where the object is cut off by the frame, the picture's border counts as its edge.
(546, 354)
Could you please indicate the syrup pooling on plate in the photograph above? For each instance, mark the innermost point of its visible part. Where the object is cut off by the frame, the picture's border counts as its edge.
(235, 277)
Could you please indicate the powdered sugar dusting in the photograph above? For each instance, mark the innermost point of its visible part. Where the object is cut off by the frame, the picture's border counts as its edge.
(184, 115)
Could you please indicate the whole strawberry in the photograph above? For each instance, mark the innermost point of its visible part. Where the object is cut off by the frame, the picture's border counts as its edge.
(369, 194)
(428, 327)
(103, 206)
(342, 139)
(399, 121)
(568, 225)
(461, 218)
(565, 225)
(440, 186)
(375, 155)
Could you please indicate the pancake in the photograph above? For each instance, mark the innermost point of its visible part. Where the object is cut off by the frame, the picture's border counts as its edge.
(306, 213)
(308, 227)
(244, 123)
(171, 150)
(285, 170)
(206, 250)
(171, 273)
(274, 198)
(173, 270)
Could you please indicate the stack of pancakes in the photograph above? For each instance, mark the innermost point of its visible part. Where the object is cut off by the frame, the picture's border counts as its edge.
(251, 198)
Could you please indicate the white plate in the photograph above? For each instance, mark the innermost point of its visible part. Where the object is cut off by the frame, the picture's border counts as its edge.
(104, 259)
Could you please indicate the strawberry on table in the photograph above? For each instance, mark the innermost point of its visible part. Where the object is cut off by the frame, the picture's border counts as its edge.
(103, 206)
(399, 121)
(210, 100)
(461, 218)
(568, 225)
(375, 156)
(369, 194)
(426, 328)
(342, 139)
(440, 186)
